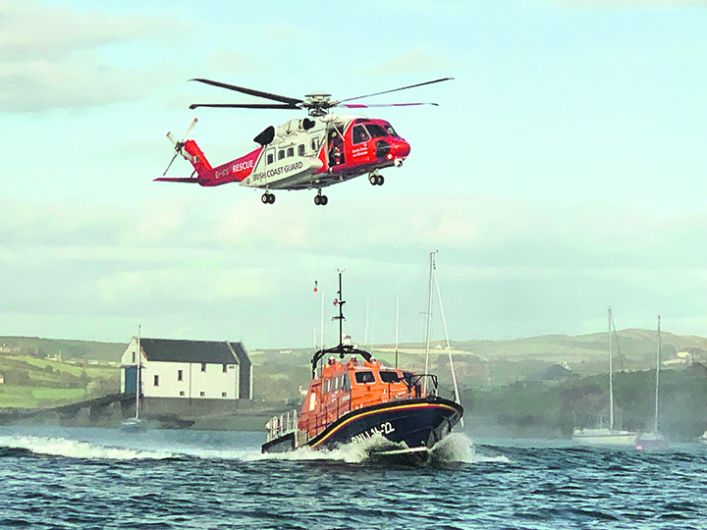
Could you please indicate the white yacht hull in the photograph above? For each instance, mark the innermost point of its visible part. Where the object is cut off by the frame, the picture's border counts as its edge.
(603, 437)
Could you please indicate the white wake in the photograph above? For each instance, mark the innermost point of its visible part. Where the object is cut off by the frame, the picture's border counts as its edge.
(78, 449)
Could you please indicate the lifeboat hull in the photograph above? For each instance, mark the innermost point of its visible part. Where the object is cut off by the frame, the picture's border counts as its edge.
(414, 426)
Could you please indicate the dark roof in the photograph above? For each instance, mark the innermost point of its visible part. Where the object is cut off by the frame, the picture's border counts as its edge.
(189, 351)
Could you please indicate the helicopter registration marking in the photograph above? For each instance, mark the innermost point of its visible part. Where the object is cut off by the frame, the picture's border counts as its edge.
(385, 428)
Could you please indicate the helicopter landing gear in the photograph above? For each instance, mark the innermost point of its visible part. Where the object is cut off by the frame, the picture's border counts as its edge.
(267, 198)
(320, 199)
(375, 179)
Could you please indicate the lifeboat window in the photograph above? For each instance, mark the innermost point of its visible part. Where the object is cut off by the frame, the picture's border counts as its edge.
(290, 151)
(407, 376)
(334, 383)
(376, 130)
(300, 150)
(281, 154)
(388, 376)
(346, 385)
(360, 134)
(365, 377)
(326, 385)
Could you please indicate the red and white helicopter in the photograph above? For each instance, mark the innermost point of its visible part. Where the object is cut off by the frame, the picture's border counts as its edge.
(310, 153)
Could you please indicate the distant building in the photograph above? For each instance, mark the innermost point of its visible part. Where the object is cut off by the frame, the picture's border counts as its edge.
(554, 372)
(2, 379)
(188, 369)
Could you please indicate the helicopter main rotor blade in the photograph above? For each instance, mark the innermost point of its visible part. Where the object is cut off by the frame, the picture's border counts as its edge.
(364, 106)
(398, 89)
(245, 106)
(249, 91)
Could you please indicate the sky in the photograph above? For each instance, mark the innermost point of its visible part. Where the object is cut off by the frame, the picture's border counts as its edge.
(564, 171)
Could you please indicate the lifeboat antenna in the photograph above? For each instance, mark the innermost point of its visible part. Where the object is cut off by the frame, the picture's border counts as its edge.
(341, 317)
(341, 349)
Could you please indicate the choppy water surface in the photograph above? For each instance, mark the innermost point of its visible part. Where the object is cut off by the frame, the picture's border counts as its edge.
(100, 478)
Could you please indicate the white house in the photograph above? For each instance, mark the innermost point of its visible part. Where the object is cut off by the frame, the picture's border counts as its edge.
(187, 369)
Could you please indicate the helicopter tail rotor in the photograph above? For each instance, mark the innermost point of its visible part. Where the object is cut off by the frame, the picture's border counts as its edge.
(189, 151)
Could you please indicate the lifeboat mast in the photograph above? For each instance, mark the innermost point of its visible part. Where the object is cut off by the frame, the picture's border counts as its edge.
(341, 349)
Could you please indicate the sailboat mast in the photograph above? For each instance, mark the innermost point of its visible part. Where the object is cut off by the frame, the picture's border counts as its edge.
(138, 383)
(449, 346)
(429, 320)
(611, 375)
(657, 376)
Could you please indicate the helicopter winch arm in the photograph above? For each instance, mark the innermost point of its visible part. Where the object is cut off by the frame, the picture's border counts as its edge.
(250, 91)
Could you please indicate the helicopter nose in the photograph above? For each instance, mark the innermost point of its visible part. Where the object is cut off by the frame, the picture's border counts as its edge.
(399, 149)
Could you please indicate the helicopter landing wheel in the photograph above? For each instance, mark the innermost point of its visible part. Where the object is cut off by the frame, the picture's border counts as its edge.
(379, 180)
(267, 198)
(271, 199)
(317, 199)
(323, 200)
(373, 179)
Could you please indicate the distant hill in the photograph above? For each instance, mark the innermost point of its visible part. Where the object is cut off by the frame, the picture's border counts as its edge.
(67, 349)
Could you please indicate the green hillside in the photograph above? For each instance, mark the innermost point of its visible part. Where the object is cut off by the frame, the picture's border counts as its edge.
(66, 349)
(32, 382)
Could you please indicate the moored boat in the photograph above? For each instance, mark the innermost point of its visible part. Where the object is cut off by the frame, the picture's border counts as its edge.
(653, 440)
(353, 397)
(603, 436)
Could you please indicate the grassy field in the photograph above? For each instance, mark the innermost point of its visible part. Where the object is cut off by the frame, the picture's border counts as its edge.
(33, 382)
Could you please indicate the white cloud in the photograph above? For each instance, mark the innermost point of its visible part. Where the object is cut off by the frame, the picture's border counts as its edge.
(49, 56)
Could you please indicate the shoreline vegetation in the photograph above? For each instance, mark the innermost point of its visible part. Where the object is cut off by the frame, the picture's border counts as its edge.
(532, 387)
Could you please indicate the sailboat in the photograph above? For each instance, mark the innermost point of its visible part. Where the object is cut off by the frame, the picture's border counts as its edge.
(604, 435)
(136, 423)
(654, 439)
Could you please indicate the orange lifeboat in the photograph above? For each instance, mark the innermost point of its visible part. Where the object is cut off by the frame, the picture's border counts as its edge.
(353, 397)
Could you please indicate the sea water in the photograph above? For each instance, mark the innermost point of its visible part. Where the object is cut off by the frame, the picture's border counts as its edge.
(104, 478)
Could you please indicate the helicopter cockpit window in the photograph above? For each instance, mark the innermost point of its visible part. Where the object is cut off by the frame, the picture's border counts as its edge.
(376, 130)
(390, 130)
(360, 134)
(290, 151)
(300, 150)
(281, 154)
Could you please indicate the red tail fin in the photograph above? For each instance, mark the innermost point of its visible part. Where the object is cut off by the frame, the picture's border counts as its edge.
(198, 159)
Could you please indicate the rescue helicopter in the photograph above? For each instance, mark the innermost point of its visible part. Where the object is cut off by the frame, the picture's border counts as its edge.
(314, 152)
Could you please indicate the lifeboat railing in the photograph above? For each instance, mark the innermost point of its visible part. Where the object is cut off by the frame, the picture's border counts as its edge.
(279, 426)
(414, 381)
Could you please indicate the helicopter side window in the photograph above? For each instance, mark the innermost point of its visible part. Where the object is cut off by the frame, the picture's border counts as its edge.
(290, 151)
(300, 150)
(389, 129)
(281, 154)
(360, 134)
(365, 377)
(270, 157)
(315, 144)
(376, 130)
